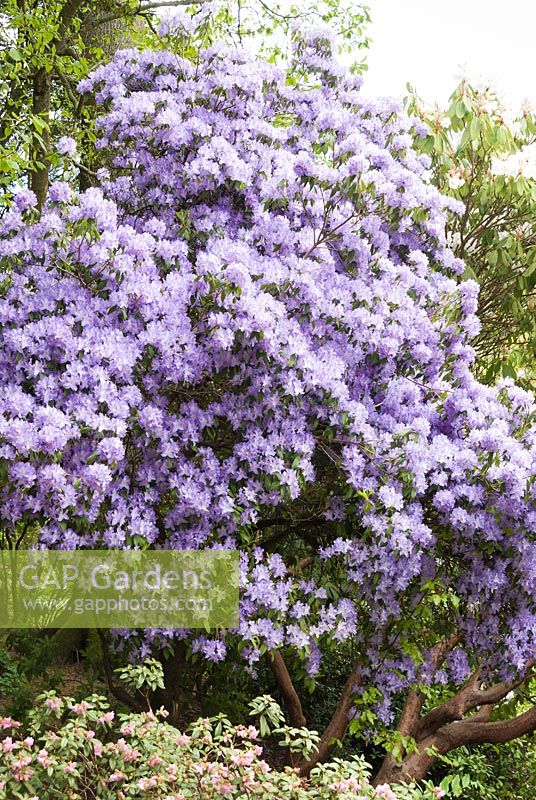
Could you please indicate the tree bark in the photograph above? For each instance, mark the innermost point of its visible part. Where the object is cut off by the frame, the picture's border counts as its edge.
(447, 727)
(42, 94)
(286, 687)
(338, 724)
(133, 703)
(171, 697)
(41, 104)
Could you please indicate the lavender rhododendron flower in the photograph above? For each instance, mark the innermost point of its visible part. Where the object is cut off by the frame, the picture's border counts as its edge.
(66, 146)
(257, 316)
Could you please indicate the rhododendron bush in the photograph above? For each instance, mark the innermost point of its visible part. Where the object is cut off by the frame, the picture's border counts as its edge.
(81, 750)
(252, 335)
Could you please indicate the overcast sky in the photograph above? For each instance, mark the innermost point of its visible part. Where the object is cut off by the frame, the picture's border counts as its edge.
(429, 42)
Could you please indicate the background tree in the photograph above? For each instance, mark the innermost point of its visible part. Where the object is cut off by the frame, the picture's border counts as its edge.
(47, 47)
(479, 157)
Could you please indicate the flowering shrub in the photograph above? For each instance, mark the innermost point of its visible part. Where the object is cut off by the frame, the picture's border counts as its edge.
(79, 750)
(253, 335)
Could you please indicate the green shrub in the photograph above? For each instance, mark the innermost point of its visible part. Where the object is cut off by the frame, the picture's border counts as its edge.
(80, 750)
(491, 772)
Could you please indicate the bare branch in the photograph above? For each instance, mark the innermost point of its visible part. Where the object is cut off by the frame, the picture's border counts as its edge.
(168, 3)
(469, 697)
(471, 731)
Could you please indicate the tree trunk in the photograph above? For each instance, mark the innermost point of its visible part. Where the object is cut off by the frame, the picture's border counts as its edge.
(110, 35)
(175, 683)
(464, 719)
(42, 93)
(413, 768)
(338, 724)
(286, 687)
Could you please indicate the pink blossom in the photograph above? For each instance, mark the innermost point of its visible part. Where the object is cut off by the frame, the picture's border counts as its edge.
(147, 783)
(385, 792)
(128, 728)
(54, 703)
(21, 762)
(9, 722)
(81, 708)
(22, 777)
(43, 758)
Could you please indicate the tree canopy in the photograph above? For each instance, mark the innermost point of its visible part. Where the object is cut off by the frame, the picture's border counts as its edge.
(478, 152)
(252, 334)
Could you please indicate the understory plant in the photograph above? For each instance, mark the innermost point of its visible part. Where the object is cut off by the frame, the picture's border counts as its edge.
(81, 750)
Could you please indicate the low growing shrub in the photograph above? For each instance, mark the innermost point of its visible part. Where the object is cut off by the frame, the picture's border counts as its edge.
(81, 750)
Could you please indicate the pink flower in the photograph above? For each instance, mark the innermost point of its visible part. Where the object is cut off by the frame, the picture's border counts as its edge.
(8, 722)
(438, 792)
(106, 718)
(20, 763)
(147, 783)
(70, 767)
(22, 777)
(116, 776)
(81, 708)
(385, 792)
(127, 729)
(243, 759)
(129, 754)
(43, 758)
(54, 703)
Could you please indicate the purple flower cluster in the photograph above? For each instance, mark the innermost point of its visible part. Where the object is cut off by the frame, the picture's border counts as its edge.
(258, 309)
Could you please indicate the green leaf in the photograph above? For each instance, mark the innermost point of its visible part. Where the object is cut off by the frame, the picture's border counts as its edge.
(469, 273)
(461, 109)
(475, 129)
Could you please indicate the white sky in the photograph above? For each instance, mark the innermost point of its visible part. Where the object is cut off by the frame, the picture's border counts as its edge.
(431, 43)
